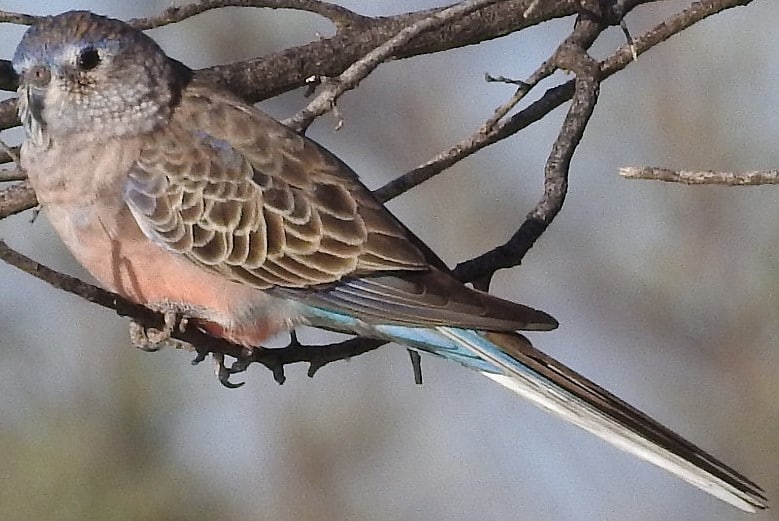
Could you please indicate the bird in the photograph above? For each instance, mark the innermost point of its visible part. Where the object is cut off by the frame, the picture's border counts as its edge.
(178, 195)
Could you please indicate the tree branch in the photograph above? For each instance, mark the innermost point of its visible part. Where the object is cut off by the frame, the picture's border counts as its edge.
(264, 77)
(352, 76)
(511, 253)
(340, 16)
(12, 175)
(16, 198)
(702, 177)
(571, 55)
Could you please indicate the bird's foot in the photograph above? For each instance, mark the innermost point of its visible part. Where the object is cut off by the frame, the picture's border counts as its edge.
(223, 373)
(273, 359)
(152, 339)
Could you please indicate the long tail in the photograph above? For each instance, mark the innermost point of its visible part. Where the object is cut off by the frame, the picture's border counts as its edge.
(511, 360)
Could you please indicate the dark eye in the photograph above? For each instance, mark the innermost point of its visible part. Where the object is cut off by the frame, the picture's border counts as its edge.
(88, 59)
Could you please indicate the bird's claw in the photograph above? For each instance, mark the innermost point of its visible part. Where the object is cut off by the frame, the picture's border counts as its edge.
(416, 365)
(223, 373)
(243, 361)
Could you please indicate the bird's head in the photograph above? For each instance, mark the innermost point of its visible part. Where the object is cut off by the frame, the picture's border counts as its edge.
(82, 72)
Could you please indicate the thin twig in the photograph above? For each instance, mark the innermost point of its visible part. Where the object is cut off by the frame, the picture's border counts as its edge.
(10, 155)
(552, 98)
(545, 70)
(341, 16)
(702, 177)
(629, 38)
(18, 18)
(664, 30)
(553, 63)
(16, 198)
(351, 77)
(8, 114)
(10, 175)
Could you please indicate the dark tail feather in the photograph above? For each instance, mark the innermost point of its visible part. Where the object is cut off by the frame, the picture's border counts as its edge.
(554, 387)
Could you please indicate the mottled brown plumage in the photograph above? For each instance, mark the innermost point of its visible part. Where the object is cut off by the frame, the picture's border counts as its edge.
(242, 195)
(235, 191)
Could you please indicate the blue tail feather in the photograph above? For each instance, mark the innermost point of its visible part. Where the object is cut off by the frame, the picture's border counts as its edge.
(510, 360)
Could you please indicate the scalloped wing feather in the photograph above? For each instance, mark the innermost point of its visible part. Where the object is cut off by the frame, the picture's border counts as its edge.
(242, 195)
(233, 192)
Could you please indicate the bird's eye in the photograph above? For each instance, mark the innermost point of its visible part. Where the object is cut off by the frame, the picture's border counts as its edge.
(88, 59)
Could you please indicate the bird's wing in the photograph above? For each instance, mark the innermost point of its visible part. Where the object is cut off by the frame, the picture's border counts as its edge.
(240, 194)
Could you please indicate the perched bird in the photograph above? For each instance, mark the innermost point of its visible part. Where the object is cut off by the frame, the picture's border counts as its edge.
(176, 194)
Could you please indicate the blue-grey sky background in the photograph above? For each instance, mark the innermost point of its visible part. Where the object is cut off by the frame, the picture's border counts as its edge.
(667, 295)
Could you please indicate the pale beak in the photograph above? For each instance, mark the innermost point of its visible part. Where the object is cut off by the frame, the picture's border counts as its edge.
(33, 84)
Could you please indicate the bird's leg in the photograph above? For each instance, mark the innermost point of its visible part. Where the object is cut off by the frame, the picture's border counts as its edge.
(242, 362)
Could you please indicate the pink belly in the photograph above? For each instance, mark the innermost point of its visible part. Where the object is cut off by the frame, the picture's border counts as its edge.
(117, 253)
